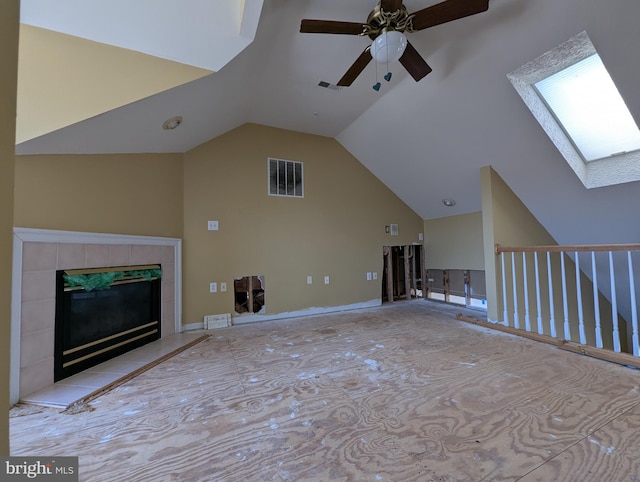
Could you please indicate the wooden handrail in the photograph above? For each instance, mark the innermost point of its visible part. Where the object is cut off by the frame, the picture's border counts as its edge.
(567, 248)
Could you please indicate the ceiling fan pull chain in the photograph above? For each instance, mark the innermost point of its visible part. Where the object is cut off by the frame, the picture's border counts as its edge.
(386, 46)
(377, 85)
(387, 76)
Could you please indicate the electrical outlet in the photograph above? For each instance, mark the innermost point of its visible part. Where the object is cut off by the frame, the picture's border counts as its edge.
(369, 275)
(309, 280)
(212, 225)
(375, 275)
(213, 287)
(223, 286)
(326, 280)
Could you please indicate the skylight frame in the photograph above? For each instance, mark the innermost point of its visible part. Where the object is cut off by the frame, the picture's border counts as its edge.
(600, 125)
(598, 173)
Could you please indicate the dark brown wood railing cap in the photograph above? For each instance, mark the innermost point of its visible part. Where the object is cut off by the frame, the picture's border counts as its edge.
(567, 248)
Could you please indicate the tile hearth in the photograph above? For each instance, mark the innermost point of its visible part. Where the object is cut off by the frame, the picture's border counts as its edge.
(76, 387)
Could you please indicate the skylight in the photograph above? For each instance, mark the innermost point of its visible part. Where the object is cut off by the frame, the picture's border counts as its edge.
(587, 104)
(583, 123)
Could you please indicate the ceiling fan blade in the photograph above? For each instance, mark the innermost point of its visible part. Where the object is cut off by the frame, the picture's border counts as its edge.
(390, 5)
(447, 11)
(331, 26)
(357, 67)
(414, 63)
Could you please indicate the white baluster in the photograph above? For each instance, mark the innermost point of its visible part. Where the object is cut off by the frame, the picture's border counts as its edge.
(634, 312)
(583, 336)
(516, 321)
(552, 321)
(527, 321)
(505, 314)
(538, 307)
(614, 305)
(565, 307)
(596, 300)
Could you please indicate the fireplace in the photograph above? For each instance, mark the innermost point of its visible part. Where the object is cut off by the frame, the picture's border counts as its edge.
(104, 312)
(37, 256)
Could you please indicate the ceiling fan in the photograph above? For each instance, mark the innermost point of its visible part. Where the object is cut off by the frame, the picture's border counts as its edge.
(385, 26)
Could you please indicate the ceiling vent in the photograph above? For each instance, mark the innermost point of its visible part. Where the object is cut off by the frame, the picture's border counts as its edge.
(328, 85)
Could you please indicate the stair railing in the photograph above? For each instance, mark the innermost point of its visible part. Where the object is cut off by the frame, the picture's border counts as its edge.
(582, 297)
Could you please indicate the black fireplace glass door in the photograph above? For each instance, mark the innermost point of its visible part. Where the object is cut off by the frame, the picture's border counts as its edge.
(94, 326)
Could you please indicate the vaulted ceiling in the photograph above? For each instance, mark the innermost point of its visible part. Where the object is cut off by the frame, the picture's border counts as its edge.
(425, 140)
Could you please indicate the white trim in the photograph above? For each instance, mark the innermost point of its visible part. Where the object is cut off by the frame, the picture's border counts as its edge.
(193, 326)
(22, 235)
(16, 316)
(246, 319)
(243, 319)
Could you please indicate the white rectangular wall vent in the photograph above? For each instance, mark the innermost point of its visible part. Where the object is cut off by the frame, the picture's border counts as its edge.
(285, 178)
(217, 321)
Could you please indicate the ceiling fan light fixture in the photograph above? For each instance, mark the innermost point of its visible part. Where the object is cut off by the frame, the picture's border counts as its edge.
(388, 47)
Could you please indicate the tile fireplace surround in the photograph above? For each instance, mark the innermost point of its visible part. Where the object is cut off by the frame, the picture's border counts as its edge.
(37, 254)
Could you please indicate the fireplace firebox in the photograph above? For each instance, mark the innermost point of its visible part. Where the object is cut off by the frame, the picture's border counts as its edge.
(102, 313)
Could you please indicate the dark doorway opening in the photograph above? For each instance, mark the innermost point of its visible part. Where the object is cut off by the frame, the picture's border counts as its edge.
(403, 274)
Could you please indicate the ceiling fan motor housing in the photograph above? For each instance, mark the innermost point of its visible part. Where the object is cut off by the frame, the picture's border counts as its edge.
(380, 21)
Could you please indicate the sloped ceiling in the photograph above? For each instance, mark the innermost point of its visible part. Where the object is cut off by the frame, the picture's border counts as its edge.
(80, 59)
(427, 140)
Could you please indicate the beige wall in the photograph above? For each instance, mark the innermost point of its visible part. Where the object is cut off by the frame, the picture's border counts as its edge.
(86, 79)
(336, 230)
(137, 194)
(9, 20)
(454, 242)
(508, 222)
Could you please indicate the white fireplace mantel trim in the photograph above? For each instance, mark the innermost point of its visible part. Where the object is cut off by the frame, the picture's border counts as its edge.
(22, 235)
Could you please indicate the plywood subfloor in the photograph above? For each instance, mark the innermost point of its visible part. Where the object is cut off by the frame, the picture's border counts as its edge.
(404, 392)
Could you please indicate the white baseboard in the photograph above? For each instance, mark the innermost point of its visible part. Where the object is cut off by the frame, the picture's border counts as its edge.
(242, 319)
(245, 319)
